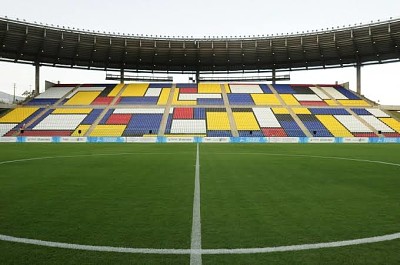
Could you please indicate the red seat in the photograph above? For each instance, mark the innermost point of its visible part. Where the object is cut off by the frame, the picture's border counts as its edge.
(364, 134)
(393, 134)
(46, 133)
(103, 101)
(274, 132)
(183, 113)
(119, 119)
(188, 90)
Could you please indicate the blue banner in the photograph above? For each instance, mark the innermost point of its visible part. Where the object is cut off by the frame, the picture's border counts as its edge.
(161, 139)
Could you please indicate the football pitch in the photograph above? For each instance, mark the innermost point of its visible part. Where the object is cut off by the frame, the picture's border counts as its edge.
(199, 204)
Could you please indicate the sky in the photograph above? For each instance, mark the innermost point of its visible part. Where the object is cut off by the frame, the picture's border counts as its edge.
(206, 18)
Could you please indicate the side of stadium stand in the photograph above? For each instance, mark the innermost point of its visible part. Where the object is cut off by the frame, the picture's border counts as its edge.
(213, 110)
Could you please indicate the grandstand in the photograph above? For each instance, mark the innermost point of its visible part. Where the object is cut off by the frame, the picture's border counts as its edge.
(204, 110)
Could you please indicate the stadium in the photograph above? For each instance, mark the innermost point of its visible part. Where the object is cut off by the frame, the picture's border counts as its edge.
(237, 165)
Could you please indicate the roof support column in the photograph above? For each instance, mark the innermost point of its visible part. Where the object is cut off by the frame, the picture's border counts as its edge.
(358, 70)
(122, 76)
(273, 76)
(197, 76)
(37, 78)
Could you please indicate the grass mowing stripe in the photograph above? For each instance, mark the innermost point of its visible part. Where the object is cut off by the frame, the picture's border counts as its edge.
(195, 257)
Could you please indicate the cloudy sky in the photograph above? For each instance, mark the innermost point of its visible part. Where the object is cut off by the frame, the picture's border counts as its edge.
(206, 18)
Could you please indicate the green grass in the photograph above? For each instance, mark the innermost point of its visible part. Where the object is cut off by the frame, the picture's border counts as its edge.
(265, 201)
(250, 197)
(395, 113)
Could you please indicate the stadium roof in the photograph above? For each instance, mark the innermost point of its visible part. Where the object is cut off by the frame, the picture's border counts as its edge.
(34, 43)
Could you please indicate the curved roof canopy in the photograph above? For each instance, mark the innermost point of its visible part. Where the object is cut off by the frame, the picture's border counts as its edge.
(61, 47)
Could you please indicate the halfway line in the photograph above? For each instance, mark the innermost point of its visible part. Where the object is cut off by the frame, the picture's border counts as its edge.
(195, 248)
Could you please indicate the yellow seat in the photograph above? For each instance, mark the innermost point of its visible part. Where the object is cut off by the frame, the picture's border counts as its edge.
(355, 103)
(218, 121)
(83, 98)
(72, 111)
(115, 90)
(301, 111)
(265, 99)
(178, 102)
(17, 115)
(289, 99)
(334, 126)
(163, 99)
(280, 110)
(135, 90)
(227, 88)
(331, 102)
(393, 123)
(209, 88)
(245, 121)
(108, 130)
(83, 128)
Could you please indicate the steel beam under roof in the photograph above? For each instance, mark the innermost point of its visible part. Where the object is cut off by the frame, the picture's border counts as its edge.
(25, 42)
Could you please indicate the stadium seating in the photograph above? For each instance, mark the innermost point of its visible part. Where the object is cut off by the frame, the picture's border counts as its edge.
(205, 109)
(6, 127)
(290, 126)
(203, 94)
(218, 121)
(108, 130)
(18, 115)
(265, 99)
(334, 126)
(355, 126)
(314, 125)
(51, 95)
(60, 122)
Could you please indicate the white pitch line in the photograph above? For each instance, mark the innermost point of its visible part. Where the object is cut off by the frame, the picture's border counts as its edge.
(199, 252)
(316, 156)
(84, 155)
(195, 254)
(93, 248)
(344, 243)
